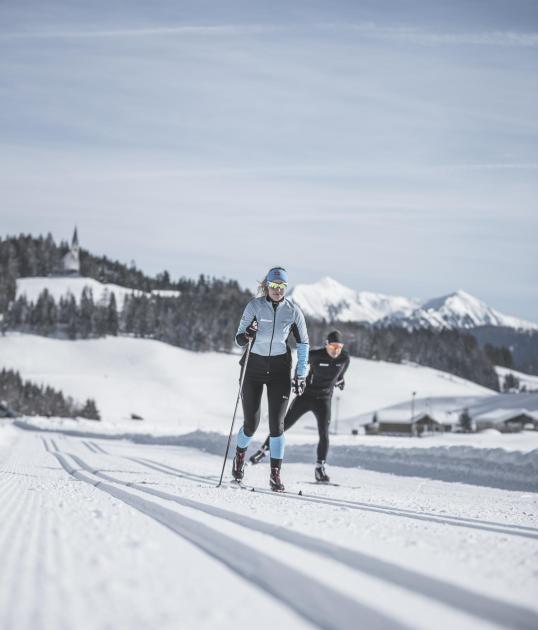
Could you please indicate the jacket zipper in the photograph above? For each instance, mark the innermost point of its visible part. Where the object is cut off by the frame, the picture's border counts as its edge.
(274, 307)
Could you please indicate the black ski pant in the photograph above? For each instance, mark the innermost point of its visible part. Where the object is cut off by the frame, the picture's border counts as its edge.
(321, 408)
(275, 374)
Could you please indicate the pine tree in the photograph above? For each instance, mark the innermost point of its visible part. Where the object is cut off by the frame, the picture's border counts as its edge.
(89, 410)
(112, 319)
(85, 318)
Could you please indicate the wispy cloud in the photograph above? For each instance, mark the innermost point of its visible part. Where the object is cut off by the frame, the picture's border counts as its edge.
(528, 166)
(201, 30)
(430, 38)
(366, 29)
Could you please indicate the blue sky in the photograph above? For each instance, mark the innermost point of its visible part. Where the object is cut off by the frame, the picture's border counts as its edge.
(391, 145)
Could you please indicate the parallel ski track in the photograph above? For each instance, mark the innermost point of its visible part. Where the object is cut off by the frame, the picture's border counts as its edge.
(513, 530)
(481, 606)
(314, 601)
(90, 446)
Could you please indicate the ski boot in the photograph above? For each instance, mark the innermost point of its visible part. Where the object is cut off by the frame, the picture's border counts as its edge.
(258, 455)
(238, 466)
(321, 473)
(274, 480)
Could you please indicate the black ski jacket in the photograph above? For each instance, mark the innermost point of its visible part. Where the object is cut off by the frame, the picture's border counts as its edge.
(324, 373)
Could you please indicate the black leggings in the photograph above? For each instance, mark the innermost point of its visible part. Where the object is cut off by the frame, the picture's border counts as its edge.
(321, 408)
(275, 374)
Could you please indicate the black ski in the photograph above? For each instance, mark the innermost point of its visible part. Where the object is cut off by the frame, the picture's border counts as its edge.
(239, 485)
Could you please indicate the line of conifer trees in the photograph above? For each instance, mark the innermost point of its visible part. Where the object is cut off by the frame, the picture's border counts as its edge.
(446, 350)
(203, 317)
(24, 398)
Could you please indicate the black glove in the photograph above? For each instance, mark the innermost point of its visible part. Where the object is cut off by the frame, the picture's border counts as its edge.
(298, 385)
(341, 384)
(250, 332)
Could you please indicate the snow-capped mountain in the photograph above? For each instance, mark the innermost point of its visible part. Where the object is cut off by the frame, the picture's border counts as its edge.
(330, 300)
(458, 310)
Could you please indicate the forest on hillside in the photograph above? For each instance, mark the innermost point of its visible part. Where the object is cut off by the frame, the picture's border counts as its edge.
(205, 314)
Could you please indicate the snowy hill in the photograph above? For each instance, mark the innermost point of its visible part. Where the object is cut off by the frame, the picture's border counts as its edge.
(62, 286)
(86, 510)
(174, 387)
(330, 300)
(526, 382)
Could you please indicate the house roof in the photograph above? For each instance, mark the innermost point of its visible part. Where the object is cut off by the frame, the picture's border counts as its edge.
(502, 415)
(401, 416)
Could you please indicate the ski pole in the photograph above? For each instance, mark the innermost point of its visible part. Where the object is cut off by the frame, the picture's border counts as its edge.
(235, 410)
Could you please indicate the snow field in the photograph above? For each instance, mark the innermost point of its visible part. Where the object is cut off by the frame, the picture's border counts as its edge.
(391, 533)
(384, 551)
(482, 460)
(172, 387)
(76, 557)
(528, 380)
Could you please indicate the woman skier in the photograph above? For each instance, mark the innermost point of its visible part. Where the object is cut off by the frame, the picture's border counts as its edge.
(266, 324)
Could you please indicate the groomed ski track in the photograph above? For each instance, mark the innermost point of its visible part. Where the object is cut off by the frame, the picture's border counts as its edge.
(266, 568)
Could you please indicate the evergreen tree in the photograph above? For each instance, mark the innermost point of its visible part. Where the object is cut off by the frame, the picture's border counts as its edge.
(511, 383)
(85, 315)
(112, 319)
(465, 421)
(89, 410)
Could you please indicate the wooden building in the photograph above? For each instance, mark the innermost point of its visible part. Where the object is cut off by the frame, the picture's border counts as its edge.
(397, 422)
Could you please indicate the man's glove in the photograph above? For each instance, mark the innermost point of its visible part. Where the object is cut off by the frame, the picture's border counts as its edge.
(298, 385)
(341, 384)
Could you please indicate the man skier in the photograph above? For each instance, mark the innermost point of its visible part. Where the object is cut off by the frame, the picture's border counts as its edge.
(327, 368)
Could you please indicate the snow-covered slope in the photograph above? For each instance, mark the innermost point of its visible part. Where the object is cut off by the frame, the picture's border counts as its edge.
(330, 300)
(62, 286)
(174, 387)
(527, 382)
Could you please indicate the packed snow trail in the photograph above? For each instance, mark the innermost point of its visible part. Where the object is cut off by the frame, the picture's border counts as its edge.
(83, 545)
(311, 599)
(518, 530)
(437, 589)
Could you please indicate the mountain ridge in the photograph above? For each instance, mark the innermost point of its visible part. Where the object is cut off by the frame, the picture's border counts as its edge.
(330, 300)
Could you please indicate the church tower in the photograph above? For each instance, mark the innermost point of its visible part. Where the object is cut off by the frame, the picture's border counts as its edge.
(71, 261)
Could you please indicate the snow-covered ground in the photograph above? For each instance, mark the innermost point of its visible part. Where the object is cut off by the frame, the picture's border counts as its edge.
(109, 534)
(119, 524)
(188, 390)
(528, 381)
(60, 287)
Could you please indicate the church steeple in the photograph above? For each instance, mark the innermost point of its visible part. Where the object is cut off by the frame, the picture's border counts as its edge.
(71, 261)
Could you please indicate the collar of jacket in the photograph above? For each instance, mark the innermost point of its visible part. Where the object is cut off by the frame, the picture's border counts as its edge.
(274, 304)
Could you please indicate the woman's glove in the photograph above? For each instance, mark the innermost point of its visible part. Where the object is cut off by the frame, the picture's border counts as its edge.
(250, 332)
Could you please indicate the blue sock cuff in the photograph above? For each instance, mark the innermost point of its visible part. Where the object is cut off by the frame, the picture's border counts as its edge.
(242, 440)
(276, 446)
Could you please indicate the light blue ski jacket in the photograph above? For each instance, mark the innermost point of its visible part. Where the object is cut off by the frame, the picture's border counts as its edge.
(274, 328)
